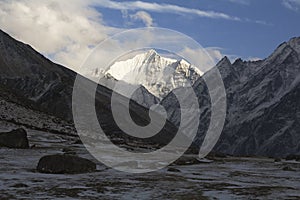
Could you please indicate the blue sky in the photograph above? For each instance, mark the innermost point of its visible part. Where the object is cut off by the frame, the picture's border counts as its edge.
(262, 24)
(67, 30)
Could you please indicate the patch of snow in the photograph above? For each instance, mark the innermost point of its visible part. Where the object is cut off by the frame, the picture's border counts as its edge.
(159, 75)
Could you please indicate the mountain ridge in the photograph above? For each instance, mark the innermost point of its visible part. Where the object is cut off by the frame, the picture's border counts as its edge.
(46, 87)
(262, 97)
(158, 74)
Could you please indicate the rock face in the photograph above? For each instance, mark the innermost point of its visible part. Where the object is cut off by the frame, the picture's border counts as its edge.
(263, 105)
(14, 139)
(34, 82)
(65, 164)
(263, 109)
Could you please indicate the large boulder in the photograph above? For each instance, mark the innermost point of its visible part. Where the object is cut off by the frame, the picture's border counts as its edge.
(293, 157)
(65, 164)
(14, 139)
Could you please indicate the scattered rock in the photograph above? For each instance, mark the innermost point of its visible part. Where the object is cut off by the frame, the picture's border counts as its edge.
(69, 151)
(173, 170)
(213, 155)
(19, 185)
(14, 139)
(65, 164)
(288, 168)
(277, 160)
(78, 142)
(293, 157)
(187, 160)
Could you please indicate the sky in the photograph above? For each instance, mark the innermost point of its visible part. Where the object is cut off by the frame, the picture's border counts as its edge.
(66, 31)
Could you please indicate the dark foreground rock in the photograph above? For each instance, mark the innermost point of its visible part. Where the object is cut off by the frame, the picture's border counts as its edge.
(187, 160)
(293, 157)
(65, 164)
(277, 160)
(171, 169)
(14, 139)
(288, 168)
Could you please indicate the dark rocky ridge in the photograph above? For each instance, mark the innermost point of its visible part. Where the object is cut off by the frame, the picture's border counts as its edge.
(263, 109)
(262, 98)
(33, 81)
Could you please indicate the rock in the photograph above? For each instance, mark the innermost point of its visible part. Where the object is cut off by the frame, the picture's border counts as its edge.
(288, 168)
(14, 139)
(69, 151)
(293, 157)
(187, 160)
(220, 155)
(19, 185)
(65, 164)
(78, 142)
(277, 160)
(213, 155)
(173, 170)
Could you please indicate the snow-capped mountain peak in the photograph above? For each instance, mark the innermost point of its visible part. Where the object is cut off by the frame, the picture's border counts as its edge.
(158, 74)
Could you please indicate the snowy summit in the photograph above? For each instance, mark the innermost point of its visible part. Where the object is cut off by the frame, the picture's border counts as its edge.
(158, 74)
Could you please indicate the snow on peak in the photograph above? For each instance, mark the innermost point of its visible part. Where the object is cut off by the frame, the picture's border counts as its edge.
(158, 74)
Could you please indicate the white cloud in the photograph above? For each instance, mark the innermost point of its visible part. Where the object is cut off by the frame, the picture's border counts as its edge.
(63, 29)
(144, 17)
(125, 6)
(243, 2)
(292, 4)
(67, 31)
(204, 59)
(161, 8)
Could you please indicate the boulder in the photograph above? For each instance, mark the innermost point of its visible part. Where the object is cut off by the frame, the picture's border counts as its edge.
(65, 164)
(293, 157)
(19, 185)
(78, 142)
(277, 160)
(14, 139)
(68, 151)
(187, 160)
(216, 155)
(171, 169)
(288, 168)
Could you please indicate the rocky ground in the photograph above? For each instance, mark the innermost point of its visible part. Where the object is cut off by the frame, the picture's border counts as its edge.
(225, 178)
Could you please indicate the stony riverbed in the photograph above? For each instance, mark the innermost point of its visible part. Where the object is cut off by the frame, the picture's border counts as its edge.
(225, 178)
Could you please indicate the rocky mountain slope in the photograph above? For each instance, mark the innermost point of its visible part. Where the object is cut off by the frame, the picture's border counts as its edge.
(29, 80)
(262, 101)
(263, 105)
(262, 97)
(34, 79)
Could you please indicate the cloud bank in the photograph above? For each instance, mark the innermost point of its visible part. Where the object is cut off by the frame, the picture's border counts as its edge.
(292, 4)
(67, 31)
(162, 8)
(62, 30)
